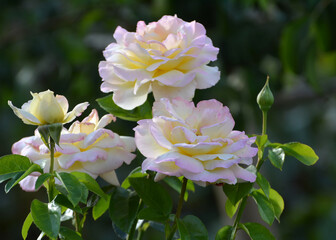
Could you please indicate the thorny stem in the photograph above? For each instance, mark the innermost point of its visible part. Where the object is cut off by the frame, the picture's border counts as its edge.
(179, 208)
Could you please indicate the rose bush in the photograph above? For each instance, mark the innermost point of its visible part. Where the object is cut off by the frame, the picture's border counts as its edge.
(86, 147)
(198, 143)
(45, 108)
(168, 57)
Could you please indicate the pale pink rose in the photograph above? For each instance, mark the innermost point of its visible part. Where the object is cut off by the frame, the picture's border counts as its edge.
(85, 147)
(198, 143)
(168, 57)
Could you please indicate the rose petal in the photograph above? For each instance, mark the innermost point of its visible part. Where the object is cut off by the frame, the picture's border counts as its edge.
(26, 117)
(110, 177)
(145, 141)
(28, 183)
(77, 111)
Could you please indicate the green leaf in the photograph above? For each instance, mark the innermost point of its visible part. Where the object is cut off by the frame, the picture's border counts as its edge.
(153, 194)
(33, 168)
(301, 152)
(257, 231)
(62, 200)
(277, 202)
(265, 208)
(69, 234)
(137, 172)
(142, 112)
(85, 193)
(26, 225)
(101, 207)
(224, 233)
(71, 186)
(192, 228)
(230, 208)
(11, 182)
(261, 140)
(47, 217)
(123, 208)
(277, 157)
(90, 183)
(152, 215)
(264, 184)
(237, 191)
(41, 179)
(13, 164)
(7, 176)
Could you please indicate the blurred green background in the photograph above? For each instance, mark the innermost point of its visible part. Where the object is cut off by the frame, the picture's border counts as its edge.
(57, 45)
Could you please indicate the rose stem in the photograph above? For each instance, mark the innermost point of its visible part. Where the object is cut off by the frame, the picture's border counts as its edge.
(179, 208)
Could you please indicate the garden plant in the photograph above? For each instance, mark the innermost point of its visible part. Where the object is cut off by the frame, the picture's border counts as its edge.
(152, 75)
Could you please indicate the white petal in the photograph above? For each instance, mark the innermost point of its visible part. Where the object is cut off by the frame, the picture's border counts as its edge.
(63, 102)
(187, 92)
(77, 111)
(127, 99)
(110, 177)
(26, 117)
(129, 143)
(207, 77)
(145, 141)
(105, 120)
(92, 118)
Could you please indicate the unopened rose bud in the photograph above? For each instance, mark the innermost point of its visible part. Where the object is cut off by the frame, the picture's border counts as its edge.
(45, 108)
(265, 97)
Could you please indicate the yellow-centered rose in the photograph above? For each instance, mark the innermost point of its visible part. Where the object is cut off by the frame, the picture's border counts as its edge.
(45, 109)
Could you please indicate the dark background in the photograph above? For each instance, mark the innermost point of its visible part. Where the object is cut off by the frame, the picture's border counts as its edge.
(57, 45)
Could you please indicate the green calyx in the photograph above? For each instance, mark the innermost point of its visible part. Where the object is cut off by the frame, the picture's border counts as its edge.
(52, 131)
(265, 97)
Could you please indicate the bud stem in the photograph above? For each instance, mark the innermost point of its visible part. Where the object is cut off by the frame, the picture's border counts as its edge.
(51, 186)
(259, 163)
(264, 122)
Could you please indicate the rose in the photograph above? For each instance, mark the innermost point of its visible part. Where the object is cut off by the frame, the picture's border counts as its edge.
(86, 147)
(45, 109)
(168, 57)
(195, 142)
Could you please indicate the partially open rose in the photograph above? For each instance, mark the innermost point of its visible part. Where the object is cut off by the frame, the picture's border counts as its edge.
(86, 147)
(45, 109)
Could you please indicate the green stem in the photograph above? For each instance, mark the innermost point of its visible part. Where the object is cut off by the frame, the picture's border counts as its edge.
(133, 227)
(51, 188)
(259, 163)
(179, 208)
(264, 127)
(77, 222)
(239, 214)
(264, 122)
(140, 234)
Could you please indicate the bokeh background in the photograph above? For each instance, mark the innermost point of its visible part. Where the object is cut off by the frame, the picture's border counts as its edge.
(57, 45)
